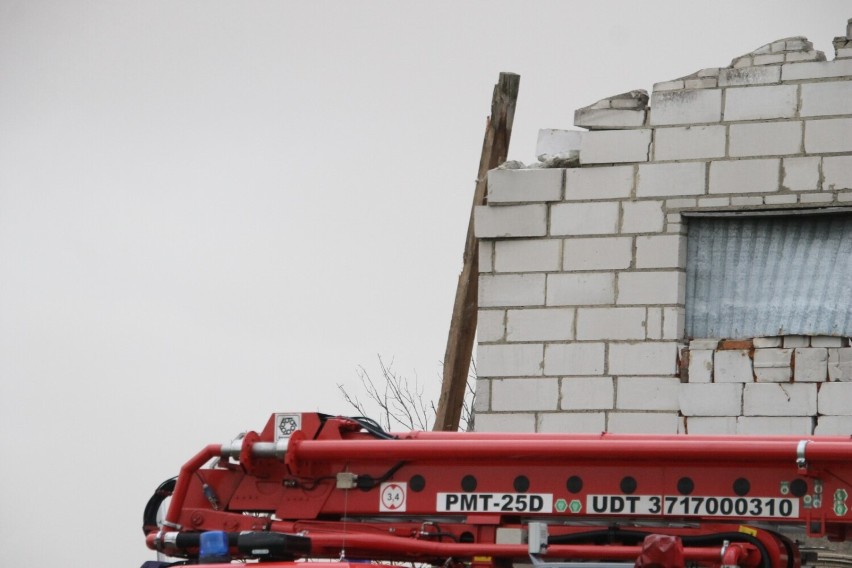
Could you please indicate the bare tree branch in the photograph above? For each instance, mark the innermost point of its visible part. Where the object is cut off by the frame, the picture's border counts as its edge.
(401, 403)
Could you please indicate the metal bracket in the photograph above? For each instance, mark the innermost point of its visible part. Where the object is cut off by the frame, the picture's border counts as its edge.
(801, 462)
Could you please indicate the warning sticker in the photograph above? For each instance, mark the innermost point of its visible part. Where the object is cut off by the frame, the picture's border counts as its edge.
(392, 497)
(494, 502)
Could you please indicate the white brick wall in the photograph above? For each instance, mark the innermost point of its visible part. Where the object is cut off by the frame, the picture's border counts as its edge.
(574, 359)
(758, 103)
(505, 422)
(588, 393)
(800, 174)
(662, 180)
(826, 99)
(661, 251)
(686, 107)
(610, 323)
(584, 218)
(614, 182)
(772, 399)
(829, 135)
(664, 287)
(774, 426)
(524, 394)
(835, 399)
(765, 139)
(644, 422)
(606, 253)
(509, 360)
(615, 146)
(507, 186)
(528, 255)
(490, 325)
(838, 172)
(642, 217)
(582, 271)
(745, 176)
(583, 289)
(647, 358)
(647, 393)
(689, 142)
(551, 324)
(732, 366)
(511, 221)
(710, 399)
(511, 290)
(575, 422)
(811, 364)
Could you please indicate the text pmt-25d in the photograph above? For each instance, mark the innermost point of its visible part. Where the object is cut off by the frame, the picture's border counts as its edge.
(341, 490)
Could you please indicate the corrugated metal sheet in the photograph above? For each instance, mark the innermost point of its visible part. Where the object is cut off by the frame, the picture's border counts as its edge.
(765, 276)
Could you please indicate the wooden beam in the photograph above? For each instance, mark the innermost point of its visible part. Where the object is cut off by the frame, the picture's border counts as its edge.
(495, 148)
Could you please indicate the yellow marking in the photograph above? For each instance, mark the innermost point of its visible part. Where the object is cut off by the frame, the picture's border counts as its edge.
(748, 530)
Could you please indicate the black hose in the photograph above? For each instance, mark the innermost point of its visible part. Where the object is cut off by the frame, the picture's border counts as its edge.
(149, 515)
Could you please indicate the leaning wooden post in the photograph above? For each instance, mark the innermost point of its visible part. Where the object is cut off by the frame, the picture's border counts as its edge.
(495, 148)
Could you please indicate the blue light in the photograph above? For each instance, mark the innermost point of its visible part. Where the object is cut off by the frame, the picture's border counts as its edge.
(213, 546)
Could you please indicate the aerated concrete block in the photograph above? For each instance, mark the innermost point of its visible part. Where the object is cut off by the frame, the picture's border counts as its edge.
(837, 171)
(811, 364)
(840, 364)
(512, 186)
(690, 142)
(658, 287)
(588, 393)
(765, 139)
(647, 358)
(606, 182)
(643, 422)
(732, 366)
(584, 218)
(510, 221)
(575, 359)
(776, 399)
(490, 325)
(666, 180)
(602, 253)
(694, 106)
(642, 217)
(775, 426)
(707, 425)
(833, 426)
(745, 176)
(505, 422)
(581, 289)
(773, 365)
(835, 399)
(520, 360)
(711, 399)
(761, 103)
(528, 255)
(648, 393)
(700, 365)
(503, 290)
(610, 323)
(826, 99)
(828, 135)
(615, 146)
(800, 174)
(549, 324)
(524, 394)
(573, 422)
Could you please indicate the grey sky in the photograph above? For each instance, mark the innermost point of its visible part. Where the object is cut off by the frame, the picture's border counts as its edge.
(213, 210)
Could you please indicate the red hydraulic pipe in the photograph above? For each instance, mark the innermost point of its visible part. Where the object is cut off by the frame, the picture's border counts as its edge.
(390, 545)
(672, 449)
(184, 477)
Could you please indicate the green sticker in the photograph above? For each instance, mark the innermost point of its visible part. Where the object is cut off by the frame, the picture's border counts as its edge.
(575, 506)
(560, 505)
(840, 495)
(840, 508)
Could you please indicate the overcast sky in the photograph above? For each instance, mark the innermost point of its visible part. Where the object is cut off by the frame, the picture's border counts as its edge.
(210, 211)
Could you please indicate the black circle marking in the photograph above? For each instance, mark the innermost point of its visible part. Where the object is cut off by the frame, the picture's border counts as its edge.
(798, 487)
(466, 537)
(574, 484)
(468, 483)
(417, 483)
(521, 484)
(628, 485)
(685, 485)
(742, 486)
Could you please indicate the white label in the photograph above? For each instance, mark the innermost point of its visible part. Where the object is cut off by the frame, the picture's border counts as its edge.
(494, 502)
(392, 497)
(773, 507)
(692, 506)
(623, 504)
